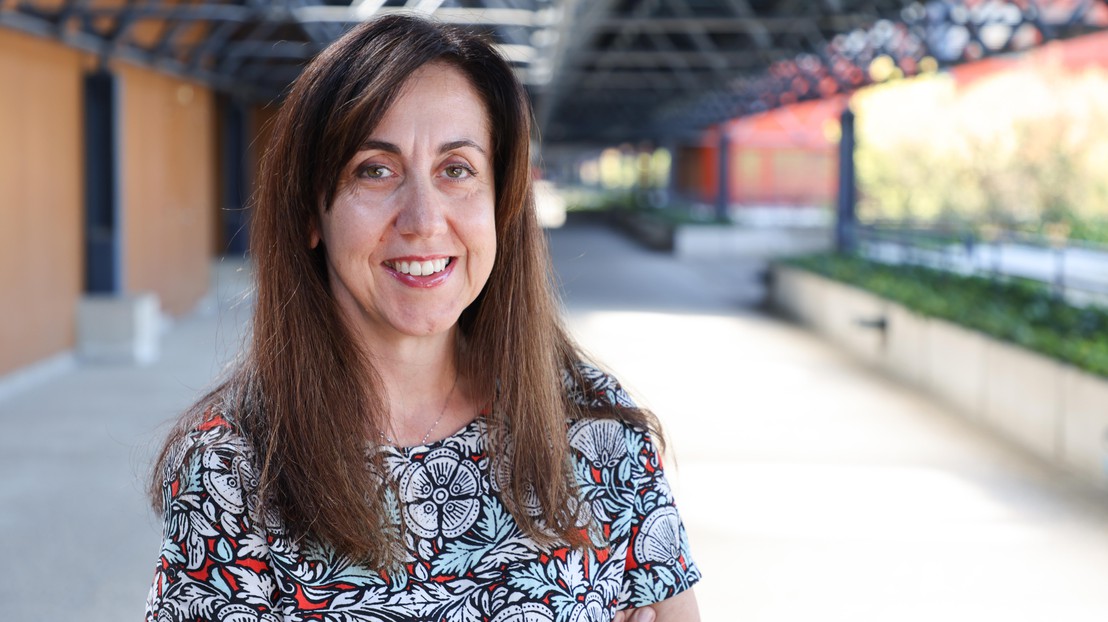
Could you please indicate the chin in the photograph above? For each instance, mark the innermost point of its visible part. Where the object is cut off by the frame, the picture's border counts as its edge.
(423, 329)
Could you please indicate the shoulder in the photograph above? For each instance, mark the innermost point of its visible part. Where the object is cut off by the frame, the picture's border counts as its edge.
(212, 431)
(609, 425)
(214, 457)
(589, 387)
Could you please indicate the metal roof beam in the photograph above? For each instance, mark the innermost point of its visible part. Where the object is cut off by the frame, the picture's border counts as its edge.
(71, 9)
(837, 23)
(644, 80)
(575, 30)
(462, 16)
(653, 58)
(124, 22)
(215, 40)
(423, 6)
(205, 11)
(283, 50)
(96, 44)
(170, 35)
(761, 36)
(260, 31)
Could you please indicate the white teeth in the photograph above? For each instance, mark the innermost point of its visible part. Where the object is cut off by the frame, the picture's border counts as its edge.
(420, 268)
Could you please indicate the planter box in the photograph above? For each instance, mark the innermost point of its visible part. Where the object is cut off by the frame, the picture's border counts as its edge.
(744, 241)
(1084, 437)
(799, 294)
(955, 366)
(855, 320)
(651, 231)
(707, 240)
(1023, 397)
(906, 344)
(1049, 408)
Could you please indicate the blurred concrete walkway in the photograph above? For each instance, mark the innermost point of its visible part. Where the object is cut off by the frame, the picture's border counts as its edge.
(77, 538)
(812, 489)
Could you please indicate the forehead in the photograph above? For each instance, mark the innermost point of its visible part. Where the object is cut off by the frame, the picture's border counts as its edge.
(437, 100)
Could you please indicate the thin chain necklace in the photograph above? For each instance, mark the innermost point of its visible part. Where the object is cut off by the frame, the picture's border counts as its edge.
(423, 441)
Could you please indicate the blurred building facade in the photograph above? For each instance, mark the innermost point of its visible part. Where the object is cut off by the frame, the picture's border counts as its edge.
(169, 188)
(786, 157)
(140, 198)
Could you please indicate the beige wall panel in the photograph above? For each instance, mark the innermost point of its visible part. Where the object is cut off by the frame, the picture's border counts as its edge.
(168, 186)
(41, 195)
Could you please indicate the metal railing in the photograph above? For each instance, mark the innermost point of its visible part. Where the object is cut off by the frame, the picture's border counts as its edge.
(1074, 270)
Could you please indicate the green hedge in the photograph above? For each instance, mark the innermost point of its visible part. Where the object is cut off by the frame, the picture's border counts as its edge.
(1015, 310)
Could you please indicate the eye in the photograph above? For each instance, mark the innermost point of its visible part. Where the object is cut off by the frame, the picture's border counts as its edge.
(375, 171)
(459, 171)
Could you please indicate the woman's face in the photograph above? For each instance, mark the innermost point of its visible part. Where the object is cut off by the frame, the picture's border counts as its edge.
(411, 237)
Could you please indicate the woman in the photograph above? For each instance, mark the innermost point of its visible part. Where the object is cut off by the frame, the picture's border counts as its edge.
(411, 434)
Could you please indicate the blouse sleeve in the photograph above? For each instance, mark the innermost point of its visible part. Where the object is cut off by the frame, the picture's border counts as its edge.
(215, 558)
(659, 564)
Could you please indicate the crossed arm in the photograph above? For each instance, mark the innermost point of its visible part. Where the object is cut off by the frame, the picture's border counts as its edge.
(680, 608)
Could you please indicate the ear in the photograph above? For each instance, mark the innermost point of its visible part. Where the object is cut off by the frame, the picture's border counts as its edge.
(313, 236)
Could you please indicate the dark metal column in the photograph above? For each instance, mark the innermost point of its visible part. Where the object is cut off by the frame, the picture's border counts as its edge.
(723, 192)
(671, 193)
(103, 268)
(236, 226)
(847, 218)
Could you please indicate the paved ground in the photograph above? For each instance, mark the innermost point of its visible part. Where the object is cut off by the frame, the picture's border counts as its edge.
(812, 488)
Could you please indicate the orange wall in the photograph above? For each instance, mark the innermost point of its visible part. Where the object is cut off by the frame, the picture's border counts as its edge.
(168, 186)
(41, 198)
(780, 157)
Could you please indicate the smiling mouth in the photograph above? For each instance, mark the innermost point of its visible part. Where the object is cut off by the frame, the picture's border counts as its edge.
(420, 268)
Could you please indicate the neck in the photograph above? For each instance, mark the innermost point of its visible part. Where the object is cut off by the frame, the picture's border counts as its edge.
(425, 396)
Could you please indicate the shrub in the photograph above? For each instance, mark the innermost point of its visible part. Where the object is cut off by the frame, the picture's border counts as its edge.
(1015, 310)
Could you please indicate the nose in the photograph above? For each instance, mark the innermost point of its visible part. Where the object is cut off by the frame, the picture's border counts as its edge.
(422, 211)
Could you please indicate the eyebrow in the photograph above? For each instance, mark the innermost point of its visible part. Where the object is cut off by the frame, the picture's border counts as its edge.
(450, 146)
(457, 144)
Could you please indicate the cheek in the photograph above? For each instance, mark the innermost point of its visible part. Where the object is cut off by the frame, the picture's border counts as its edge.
(351, 226)
(481, 231)
(487, 229)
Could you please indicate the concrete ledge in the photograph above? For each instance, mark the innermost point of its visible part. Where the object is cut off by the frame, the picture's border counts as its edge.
(1022, 397)
(722, 240)
(907, 347)
(855, 319)
(749, 241)
(36, 373)
(1084, 431)
(651, 231)
(1047, 407)
(955, 366)
(119, 329)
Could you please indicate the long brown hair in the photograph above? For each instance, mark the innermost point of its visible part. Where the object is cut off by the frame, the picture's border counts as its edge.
(305, 396)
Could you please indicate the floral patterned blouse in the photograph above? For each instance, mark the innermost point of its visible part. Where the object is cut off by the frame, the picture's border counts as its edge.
(467, 558)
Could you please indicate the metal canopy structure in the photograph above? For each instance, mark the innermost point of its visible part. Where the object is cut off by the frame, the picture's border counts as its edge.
(600, 71)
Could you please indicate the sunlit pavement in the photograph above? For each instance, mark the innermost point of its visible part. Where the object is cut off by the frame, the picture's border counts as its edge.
(814, 488)
(77, 538)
